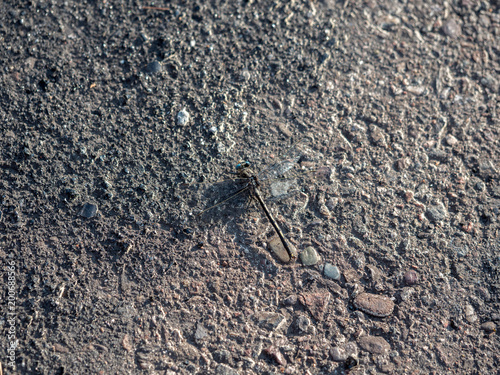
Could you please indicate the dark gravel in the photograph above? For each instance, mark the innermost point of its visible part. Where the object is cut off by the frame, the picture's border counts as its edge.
(116, 120)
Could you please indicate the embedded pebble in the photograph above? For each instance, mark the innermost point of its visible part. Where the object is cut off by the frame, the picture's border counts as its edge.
(489, 327)
(490, 82)
(303, 323)
(223, 369)
(451, 140)
(126, 344)
(88, 210)
(406, 294)
(61, 348)
(154, 67)
(316, 303)
(452, 28)
(373, 304)
(410, 277)
(416, 90)
(182, 117)
(437, 212)
(332, 271)
(374, 344)
(290, 300)
(437, 154)
(200, 333)
(276, 247)
(378, 136)
(270, 320)
(309, 256)
(245, 75)
(276, 354)
(338, 354)
(470, 314)
(223, 356)
(480, 186)
(484, 293)
(343, 352)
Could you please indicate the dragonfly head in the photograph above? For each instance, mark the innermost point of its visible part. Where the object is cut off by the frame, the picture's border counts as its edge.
(242, 165)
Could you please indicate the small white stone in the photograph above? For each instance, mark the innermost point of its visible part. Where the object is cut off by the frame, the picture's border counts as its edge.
(182, 117)
(332, 271)
(470, 314)
(451, 140)
(338, 354)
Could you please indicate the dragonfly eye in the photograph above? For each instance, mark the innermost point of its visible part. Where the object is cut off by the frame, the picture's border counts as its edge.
(245, 164)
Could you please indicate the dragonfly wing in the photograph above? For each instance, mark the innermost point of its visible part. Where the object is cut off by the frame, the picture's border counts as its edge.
(290, 159)
(281, 187)
(226, 199)
(277, 170)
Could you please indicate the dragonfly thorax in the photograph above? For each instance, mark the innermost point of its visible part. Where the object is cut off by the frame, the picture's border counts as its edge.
(244, 171)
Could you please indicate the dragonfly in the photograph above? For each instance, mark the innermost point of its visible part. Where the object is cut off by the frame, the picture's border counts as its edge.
(252, 183)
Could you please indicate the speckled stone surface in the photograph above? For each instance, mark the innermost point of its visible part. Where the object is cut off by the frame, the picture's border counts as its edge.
(373, 304)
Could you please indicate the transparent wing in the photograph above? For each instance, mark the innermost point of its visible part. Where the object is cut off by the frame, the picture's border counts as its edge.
(233, 195)
(205, 196)
(289, 160)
